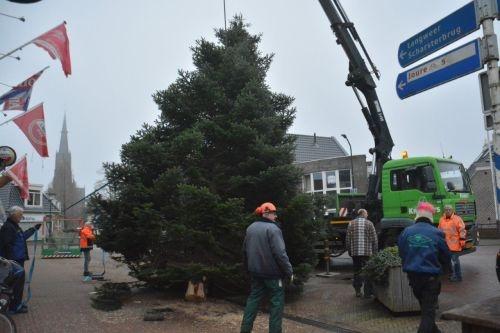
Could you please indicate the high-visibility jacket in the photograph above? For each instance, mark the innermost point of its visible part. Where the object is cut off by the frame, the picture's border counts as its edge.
(454, 230)
(87, 238)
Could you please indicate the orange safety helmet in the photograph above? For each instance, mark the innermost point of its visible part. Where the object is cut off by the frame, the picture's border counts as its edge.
(266, 207)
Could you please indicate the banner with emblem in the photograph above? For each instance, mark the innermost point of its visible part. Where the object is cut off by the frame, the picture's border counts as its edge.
(19, 175)
(18, 97)
(56, 43)
(32, 123)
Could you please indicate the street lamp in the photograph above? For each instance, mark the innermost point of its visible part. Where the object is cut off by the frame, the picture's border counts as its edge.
(50, 196)
(352, 164)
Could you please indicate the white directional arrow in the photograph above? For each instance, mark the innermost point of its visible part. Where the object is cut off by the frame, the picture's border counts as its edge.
(401, 85)
(402, 54)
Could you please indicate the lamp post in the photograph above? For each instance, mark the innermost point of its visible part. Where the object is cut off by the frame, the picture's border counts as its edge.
(50, 196)
(352, 164)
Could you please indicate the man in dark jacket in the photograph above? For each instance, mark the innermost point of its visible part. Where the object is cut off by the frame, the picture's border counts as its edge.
(424, 253)
(267, 262)
(13, 247)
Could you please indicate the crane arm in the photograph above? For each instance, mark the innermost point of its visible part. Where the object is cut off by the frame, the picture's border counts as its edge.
(361, 80)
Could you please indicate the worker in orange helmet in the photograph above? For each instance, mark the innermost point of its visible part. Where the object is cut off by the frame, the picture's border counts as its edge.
(454, 229)
(87, 238)
(267, 262)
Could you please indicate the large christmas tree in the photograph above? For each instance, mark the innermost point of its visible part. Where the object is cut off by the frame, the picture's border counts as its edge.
(187, 186)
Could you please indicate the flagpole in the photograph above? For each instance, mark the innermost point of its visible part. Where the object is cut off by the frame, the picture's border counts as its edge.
(22, 114)
(40, 71)
(22, 19)
(17, 58)
(25, 44)
(17, 49)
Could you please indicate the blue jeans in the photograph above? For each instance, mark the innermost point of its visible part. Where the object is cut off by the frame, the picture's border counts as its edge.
(86, 261)
(455, 266)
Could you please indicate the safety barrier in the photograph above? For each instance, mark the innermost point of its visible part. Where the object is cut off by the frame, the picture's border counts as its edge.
(62, 240)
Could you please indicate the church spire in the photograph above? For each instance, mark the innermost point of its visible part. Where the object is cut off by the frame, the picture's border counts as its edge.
(63, 145)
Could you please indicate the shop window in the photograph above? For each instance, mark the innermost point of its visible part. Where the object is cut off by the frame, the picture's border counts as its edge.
(345, 178)
(318, 181)
(34, 199)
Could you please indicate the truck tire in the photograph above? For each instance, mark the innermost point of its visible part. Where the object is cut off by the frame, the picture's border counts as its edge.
(389, 237)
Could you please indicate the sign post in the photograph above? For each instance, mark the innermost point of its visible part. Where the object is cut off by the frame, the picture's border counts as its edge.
(491, 59)
(447, 67)
(456, 63)
(444, 32)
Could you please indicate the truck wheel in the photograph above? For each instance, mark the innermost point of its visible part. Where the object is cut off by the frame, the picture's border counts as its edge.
(389, 237)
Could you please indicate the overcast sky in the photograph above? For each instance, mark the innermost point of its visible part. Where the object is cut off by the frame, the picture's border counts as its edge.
(124, 51)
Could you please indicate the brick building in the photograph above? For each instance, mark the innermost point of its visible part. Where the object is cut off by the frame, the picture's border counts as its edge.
(326, 166)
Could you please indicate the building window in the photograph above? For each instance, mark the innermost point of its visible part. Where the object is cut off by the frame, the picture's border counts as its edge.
(35, 198)
(331, 180)
(345, 178)
(318, 182)
(306, 183)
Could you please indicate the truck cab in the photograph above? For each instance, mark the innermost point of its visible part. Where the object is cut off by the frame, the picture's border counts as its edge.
(440, 181)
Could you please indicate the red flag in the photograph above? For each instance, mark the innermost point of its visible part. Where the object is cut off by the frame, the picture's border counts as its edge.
(19, 175)
(56, 42)
(32, 123)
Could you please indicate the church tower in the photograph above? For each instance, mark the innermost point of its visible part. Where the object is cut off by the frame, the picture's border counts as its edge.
(64, 186)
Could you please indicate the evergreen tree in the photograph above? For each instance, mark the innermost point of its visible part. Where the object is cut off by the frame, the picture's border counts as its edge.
(187, 186)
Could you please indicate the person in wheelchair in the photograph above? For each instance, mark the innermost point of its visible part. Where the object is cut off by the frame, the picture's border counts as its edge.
(11, 278)
(13, 247)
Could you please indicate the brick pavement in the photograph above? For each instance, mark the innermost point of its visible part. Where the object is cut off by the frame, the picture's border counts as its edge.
(61, 302)
(332, 300)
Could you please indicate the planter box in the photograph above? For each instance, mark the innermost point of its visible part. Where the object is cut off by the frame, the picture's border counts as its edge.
(397, 296)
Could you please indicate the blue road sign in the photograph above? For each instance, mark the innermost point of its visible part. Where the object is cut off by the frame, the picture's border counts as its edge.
(447, 67)
(444, 32)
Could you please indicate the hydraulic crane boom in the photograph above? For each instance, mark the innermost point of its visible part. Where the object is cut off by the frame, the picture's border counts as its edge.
(360, 79)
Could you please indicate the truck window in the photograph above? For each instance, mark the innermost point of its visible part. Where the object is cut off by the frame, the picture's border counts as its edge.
(453, 177)
(410, 179)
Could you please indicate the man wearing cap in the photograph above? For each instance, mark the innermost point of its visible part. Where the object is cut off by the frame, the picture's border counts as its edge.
(424, 253)
(454, 230)
(361, 243)
(266, 261)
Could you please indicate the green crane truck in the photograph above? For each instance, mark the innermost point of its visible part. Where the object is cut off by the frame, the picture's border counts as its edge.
(394, 186)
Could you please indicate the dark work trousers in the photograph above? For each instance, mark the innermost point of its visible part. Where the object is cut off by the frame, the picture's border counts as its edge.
(276, 299)
(358, 281)
(426, 289)
(18, 289)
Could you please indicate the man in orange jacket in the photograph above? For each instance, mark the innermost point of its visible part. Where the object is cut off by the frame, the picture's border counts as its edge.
(87, 238)
(454, 230)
